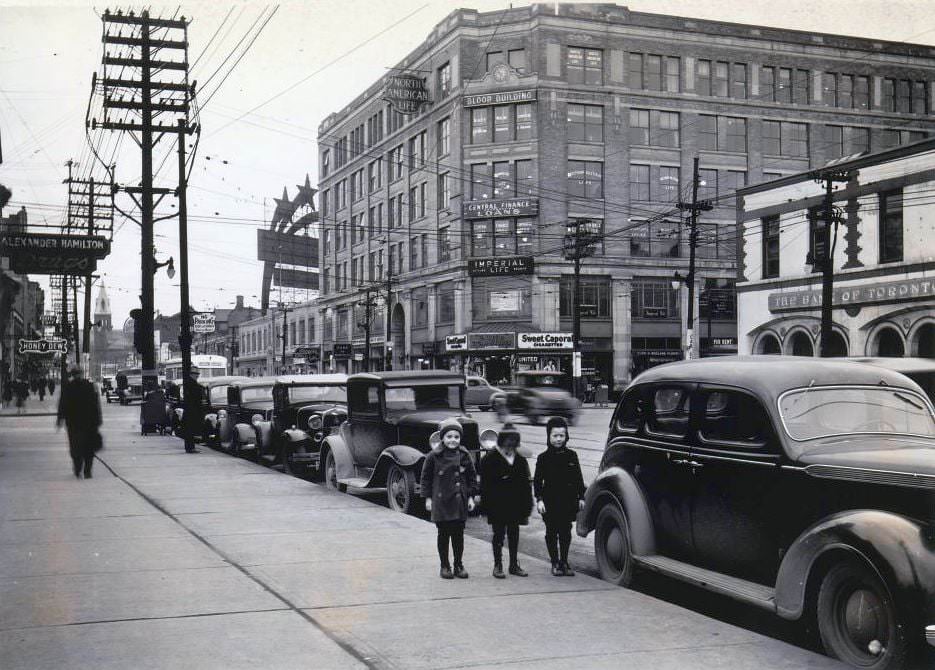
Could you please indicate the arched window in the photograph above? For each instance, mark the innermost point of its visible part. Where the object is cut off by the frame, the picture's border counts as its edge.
(801, 344)
(838, 345)
(923, 343)
(889, 344)
(769, 344)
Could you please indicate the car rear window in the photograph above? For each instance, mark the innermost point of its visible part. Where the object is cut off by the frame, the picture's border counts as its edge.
(731, 416)
(668, 413)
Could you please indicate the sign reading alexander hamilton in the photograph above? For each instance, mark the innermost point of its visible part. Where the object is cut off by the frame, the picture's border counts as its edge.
(491, 209)
(480, 99)
(406, 93)
(501, 265)
(876, 292)
(34, 253)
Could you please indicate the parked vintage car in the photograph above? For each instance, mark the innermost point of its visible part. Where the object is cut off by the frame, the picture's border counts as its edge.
(215, 400)
(305, 409)
(919, 370)
(805, 487)
(478, 393)
(538, 394)
(391, 416)
(249, 402)
(109, 389)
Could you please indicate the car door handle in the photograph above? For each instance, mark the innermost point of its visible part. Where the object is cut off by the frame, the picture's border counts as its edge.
(693, 464)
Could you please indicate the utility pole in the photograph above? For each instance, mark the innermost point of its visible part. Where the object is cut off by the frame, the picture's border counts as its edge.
(577, 245)
(823, 256)
(694, 208)
(388, 344)
(185, 334)
(285, 311)
(368, 305)
(147, 98)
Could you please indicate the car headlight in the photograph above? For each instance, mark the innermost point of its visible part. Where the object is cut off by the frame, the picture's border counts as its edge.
(319, 436)
(222, 414)
(256, 418)
(315, 423)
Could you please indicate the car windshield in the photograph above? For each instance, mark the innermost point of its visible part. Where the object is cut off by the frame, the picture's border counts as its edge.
(317, 393)
(811, 413)
(409, 398)
(251, 393)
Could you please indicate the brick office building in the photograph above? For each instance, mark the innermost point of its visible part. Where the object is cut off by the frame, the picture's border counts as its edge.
(547, 114)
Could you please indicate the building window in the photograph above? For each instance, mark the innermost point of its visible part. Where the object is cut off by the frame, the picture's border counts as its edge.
(639, 182)
(738, 81)
(502, 123)
(414, 253)
(525, 183)
(668, 184)
(375, 175)
(720, 85)
(357, 185)
(703, 77)
(735, 133)
(444, 137)
(707, 132)
(707, 184)
(781, 138)
(325, 201)
(733, 180)
(585, 179)
(375, 221)
(371, 265)
(668, 129)
(502, 179)
(654, 128)
(585, 66)
(445, 302)
(417, 147)
(585, 123)
(444, 80)
(523, 121)
(652, 72)
(480, 125)
(502, 237)
(672, 82)
(326, 242)
(654, 299)
(891, 226)
(396, 163)
(771, 246)
(594, 293)
(340, 195)
(325, 163)
(480, 181)
(661, 239)
(510, 122)
(639, 127)
(517, 59)
(444, 193)
(444, 244)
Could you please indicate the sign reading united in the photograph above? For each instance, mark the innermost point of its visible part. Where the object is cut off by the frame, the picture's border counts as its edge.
(406, 92)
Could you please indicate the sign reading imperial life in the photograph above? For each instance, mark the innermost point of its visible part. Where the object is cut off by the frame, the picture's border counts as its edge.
(491, 209)
(499, 98)
(33, 253)
(502, 265)
(406, 92)
(877, 292)
(544, 341)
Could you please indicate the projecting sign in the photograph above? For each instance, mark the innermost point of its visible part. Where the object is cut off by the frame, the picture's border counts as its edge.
(875, 292)
(48, 319)
(43, 346)
(482, 99)
(456, 343)
(342, 349)
(286, 249)
(406, 93)
(203, 323)
(491, 209)
(503, 265)
(33, 253)
(544, 341)
(290, 278)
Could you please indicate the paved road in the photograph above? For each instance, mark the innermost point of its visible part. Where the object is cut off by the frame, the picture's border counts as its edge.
(169, 560)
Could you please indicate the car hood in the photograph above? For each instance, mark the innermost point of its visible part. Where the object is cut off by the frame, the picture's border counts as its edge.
(258, 405)
(426, 417)
(901, 460)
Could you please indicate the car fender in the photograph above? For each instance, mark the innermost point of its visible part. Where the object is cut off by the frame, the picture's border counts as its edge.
(291, 438)
(402, 455)
(343, 461)
(618, 485)
(899, 549)
(211, 420)
(245, 433)
(263, 431)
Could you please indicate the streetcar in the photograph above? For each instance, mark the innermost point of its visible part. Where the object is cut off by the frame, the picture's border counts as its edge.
(208, 365)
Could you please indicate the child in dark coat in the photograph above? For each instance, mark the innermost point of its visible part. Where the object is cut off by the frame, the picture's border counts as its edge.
(559, 490)
(506, 497)
(449, 484)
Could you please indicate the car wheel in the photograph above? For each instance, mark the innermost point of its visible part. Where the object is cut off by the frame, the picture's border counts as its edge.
(288, 465)
(612, 545)
(331, 472)
(534, 418)
(858, 621)
(401, 489)
(235, 446)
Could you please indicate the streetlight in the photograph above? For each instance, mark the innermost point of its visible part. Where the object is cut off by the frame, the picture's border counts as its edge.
(169, 265)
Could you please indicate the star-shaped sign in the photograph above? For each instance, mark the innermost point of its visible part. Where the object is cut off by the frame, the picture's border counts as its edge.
(306, 194)
(284, 209)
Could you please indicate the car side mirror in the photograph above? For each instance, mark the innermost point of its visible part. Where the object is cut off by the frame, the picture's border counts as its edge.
(435, 439)
(488, 439)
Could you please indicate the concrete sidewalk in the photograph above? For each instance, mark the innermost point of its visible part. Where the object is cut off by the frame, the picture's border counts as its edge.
(165, 560)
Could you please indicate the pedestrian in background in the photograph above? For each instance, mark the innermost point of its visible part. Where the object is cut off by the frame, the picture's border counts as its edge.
(559, 489)
(51, 386)
(79, 409)
(449, 483)
(8, 388)
(506, 497)
(193, 412)
(22, 392)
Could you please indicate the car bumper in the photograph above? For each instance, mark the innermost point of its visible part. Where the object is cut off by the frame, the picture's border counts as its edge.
(930, 634)
(306, 459)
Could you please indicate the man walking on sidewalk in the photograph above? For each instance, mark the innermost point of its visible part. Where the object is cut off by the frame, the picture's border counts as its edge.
(193, 412)
(80, 410)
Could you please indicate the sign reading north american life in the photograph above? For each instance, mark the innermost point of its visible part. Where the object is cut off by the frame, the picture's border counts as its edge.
(43, 346)
(544, 341)
(406, 93)
(36, 253)
(203, 323)
(505, 265)
(499, 98)
(491, 209)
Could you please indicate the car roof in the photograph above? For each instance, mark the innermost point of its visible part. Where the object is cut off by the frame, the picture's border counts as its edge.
(221, 381)
(409, 377)
(904, 365)
(250, 382)
(312, 379)
(771, 376)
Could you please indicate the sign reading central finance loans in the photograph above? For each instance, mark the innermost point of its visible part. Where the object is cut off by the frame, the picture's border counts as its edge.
(503, 265)
(492, 209)
(544, 341)
(406, 93)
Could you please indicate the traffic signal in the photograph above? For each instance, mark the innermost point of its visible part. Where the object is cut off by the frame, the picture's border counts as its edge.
(137, 315)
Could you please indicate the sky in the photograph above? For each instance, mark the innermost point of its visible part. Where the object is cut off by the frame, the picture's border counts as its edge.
(260, 124)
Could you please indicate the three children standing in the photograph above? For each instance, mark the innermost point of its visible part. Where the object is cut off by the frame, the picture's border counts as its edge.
(449, 484)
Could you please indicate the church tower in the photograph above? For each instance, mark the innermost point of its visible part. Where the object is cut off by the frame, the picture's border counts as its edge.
(102, 309)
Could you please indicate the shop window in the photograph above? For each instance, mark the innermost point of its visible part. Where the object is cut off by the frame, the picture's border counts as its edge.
(718, 300)
(496, 298)
(595, 297)
(891, 226)
(654, 299)
(668, 411)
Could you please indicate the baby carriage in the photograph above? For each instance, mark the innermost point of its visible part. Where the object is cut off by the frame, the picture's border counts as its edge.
(153, 415)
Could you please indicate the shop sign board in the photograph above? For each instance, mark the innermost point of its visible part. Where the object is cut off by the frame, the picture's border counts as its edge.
(504, 97)
(275, 247)
(35, 253)
(456, 343)
(203, 322)
(504, 301)
(478, 341)
(292, 278)
(869, 293)
(43, 346)
(406, 92)
(544, 341)
(308, 353)
(342, 349)
(503, 265)
(492, 209)
(358, 356)
(655, 312)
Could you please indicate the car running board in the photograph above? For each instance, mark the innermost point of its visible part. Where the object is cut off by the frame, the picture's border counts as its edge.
(359, 484)
(739, 589)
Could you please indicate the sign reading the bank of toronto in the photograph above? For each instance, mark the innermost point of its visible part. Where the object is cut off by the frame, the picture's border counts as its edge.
(456, 343)
(34, 253)
(876, 292)
(480, 99)
(544, 341)
(43, 346)
(503, 265)
(203, 323)
(491, 209)
(406, 92)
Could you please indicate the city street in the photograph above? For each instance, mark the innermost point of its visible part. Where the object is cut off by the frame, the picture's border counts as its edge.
(167, 559)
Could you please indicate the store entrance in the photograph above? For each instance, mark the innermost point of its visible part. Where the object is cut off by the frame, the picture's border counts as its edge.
(497, 370)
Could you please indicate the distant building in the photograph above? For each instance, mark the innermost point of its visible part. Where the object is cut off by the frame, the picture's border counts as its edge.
(884, 259)
(110, 349)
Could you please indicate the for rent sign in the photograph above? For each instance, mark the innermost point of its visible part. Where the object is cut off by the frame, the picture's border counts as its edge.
(545, 341)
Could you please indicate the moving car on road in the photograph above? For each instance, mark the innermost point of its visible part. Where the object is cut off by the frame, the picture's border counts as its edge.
(538, 394)
(805, 487)
(391, 417)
